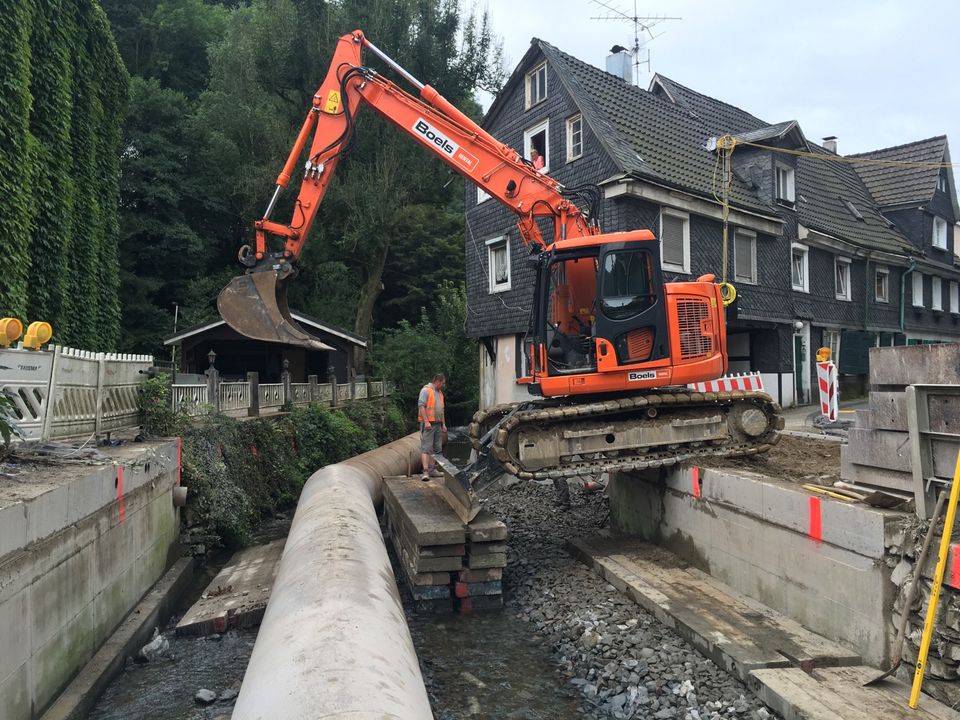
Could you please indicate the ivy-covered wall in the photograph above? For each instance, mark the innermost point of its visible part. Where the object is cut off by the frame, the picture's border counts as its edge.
(62, 102)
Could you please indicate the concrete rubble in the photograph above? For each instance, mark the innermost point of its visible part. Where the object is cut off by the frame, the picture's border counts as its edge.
(943, 664)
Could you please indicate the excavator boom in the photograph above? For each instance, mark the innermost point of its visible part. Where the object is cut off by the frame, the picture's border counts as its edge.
(612, 346)
(249, 306)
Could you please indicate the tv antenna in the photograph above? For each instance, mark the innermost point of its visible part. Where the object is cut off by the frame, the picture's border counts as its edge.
(642, 30)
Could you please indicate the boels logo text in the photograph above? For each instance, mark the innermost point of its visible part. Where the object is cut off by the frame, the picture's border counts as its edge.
(444, 144)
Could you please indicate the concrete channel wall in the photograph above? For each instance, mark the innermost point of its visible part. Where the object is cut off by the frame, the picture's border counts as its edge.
(79, 546)
(816, 561)
(334, 641)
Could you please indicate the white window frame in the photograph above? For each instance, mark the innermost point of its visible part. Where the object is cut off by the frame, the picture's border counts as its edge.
(578, 118)
(786, 194)
(917, 290)
(939, 232)
(481, 195)
(685, 217)
(532, 85)
(954, 298)
(841, 263)
(543, 127)
(936, 293)
(752, 236)
(884, 271)
(804, 285)
(492, 246)
(942, 182)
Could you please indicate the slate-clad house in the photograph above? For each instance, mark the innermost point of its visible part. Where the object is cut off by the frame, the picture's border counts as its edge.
(819, 248)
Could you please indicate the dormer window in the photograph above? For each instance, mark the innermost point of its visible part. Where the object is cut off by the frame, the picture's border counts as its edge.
(537, 85)
(786, 192)
(942, 182)
(939, 233)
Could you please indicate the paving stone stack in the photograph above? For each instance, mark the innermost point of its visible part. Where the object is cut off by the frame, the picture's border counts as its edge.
(479, 583)
(445, 564)
(878, 451)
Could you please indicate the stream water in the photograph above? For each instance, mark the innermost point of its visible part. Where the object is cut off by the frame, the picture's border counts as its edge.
(486, 665)
(482, 665)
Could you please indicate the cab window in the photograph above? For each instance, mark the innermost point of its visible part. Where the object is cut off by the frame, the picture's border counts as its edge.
(626, 284)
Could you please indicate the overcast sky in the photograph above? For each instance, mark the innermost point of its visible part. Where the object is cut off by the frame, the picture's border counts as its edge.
(874, 74)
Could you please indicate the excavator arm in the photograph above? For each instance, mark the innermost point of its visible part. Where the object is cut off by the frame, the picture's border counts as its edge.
(255, 304)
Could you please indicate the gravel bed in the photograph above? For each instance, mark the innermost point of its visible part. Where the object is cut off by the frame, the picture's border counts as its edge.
(624, 663)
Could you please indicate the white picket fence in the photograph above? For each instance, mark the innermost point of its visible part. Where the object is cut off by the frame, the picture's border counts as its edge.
(62, 392)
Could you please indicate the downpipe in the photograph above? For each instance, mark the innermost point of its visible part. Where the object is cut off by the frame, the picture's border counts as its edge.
(334, 641)
(903, 287)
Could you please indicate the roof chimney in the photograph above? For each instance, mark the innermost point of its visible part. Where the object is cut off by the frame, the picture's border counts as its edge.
(620, 63)
(830, 143)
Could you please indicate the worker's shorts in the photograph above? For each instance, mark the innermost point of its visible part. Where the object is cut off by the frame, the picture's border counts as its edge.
(431, 438)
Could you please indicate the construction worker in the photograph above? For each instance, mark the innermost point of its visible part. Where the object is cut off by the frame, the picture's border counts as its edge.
(433, 424)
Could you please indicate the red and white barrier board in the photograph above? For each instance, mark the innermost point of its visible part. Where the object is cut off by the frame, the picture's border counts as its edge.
(829, 397)
(741, 381)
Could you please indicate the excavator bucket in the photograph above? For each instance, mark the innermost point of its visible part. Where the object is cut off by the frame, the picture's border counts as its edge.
(255, 305)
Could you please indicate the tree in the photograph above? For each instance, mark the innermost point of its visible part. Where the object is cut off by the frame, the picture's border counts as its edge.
(172, 224)
(411, 353)
(263, 76)
(62, 99)
(15, 165)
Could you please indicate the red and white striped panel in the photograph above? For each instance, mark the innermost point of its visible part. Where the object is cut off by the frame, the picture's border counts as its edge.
(743, 381)
(829, 401)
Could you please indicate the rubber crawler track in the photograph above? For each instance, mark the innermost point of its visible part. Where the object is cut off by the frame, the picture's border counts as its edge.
(546, 412)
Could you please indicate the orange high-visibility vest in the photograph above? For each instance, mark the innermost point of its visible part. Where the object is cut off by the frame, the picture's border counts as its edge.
(428, 413)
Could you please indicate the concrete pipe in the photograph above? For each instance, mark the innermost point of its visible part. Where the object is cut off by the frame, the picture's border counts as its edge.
(334, 641)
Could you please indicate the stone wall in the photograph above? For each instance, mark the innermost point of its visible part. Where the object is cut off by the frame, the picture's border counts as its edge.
(80, 544)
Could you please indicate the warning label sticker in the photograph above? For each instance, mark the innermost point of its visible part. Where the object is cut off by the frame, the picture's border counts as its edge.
(332, 105)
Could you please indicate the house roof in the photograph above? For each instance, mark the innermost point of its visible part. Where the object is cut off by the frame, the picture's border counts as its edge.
(623, 118)
(664, 134)
(646, 135)
(830, 196)
(774, 133)
(713, 113)
(298, 316)
(895, 185)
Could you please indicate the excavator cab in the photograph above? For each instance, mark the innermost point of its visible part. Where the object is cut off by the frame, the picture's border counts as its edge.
(599, 307)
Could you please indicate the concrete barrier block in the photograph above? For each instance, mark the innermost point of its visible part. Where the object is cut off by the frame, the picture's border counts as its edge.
(888, 410)
(14, 634)
(833, 590)
(47, 513)
(873, 476)
(15, 691)
(58, 595)
(71, 647)
(13, 528)
(879, 448)
(906, 365)
(744, 491)
(85, 495)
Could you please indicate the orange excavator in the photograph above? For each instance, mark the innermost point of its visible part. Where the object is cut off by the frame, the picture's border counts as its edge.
(611, 346)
